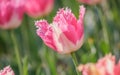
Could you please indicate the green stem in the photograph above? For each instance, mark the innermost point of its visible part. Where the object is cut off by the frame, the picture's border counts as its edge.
(103, 23)
(75, 62)
(104, 27)
(16, 51)
(25, 36)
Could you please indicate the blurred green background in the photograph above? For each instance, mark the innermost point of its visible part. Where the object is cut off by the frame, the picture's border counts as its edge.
(102, 36)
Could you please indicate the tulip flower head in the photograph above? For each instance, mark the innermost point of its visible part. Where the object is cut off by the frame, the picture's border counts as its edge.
(90, 2)
(104, 66)
(65, 34)
(11, 13)
(7, 71)
(37, 8)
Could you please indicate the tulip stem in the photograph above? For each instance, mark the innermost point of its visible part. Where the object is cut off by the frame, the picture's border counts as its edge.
(75, 61)
(16, 51)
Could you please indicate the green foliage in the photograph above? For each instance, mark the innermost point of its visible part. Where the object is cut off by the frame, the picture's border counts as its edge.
(37, 59)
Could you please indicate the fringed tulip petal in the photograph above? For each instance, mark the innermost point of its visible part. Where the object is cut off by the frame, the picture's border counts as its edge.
(45, 32)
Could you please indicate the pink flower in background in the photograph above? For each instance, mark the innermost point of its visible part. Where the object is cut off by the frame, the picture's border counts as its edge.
(65, 34)
(90, 2)
(7, 71)
(37, 8)
(11, 13)
(89, 69)
(104, 66)
(117, 69)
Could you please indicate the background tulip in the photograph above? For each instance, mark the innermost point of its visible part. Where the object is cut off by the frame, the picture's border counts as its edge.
(7, 71)
(65, 34)
(11, 13)
(90, 2)
(37, 8)
(117, 69)
(104, 66)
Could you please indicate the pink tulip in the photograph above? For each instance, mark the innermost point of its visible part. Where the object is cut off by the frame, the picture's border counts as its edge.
(104, 66)
(7, 71)
(65, 34)
(89, 69)
(11, 13)
(90, 2)
(37, 8)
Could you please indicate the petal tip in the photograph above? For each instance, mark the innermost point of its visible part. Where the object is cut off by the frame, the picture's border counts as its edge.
(39, 23)
(82, 11)
(82, 8)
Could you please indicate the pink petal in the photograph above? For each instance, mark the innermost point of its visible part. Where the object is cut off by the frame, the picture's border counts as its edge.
(67, 23)
(6, 9)
(117, 69)
(63, 44)
(37, 8)
(80, 26)
(45, 32)
(11, 13)
(7, 71)
(106, 65)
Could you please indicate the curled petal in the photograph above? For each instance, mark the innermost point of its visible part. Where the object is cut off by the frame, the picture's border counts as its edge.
(45, 32)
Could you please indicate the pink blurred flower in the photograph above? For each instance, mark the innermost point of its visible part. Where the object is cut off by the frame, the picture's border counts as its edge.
(117, 69)
(7, 71)
(104, 66)
(37, 8)
(88, 69)
(11, 13)
(90, 2)
(65, 34)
